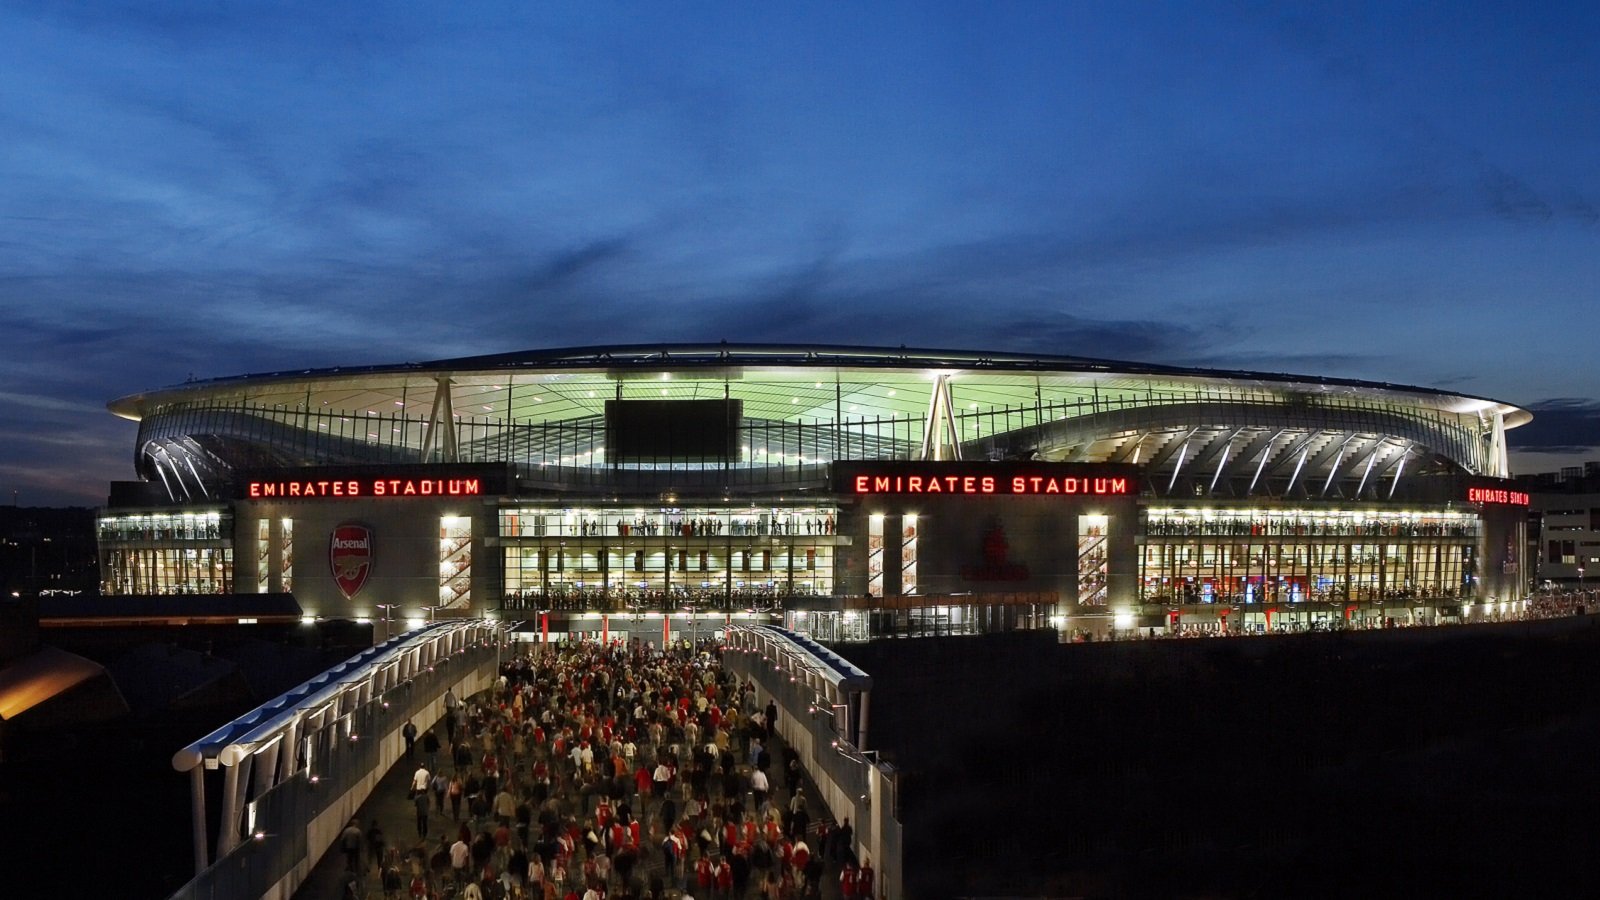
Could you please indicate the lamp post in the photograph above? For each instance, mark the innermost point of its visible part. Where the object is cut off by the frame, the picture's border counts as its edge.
(388, 615)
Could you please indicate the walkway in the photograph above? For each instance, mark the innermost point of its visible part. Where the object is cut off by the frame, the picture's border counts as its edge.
(568, 812)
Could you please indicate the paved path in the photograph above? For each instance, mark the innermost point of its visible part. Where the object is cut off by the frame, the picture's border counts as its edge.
(395, 814)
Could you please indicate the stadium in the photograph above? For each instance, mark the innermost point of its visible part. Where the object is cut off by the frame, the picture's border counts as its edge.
(849, 492)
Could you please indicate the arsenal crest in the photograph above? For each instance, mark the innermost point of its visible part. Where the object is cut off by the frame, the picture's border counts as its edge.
(350, 557)
(997, 565)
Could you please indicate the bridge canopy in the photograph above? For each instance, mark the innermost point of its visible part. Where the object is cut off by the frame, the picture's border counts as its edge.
(260, 726)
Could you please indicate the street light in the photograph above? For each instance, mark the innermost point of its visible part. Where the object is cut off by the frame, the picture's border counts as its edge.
(388, 614)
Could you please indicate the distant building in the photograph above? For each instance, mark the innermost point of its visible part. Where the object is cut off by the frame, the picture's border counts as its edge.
(1564, 526)
(48, 550)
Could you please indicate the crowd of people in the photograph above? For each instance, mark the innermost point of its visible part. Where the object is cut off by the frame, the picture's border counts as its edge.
(617, 772)
(617, 599)
(706, 526)
(1550, 605)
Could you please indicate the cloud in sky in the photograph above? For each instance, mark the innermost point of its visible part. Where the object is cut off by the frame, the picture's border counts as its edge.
(1560, 425)
(1375, 191)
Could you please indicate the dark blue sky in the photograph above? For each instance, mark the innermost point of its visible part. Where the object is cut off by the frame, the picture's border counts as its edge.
(1399, 192)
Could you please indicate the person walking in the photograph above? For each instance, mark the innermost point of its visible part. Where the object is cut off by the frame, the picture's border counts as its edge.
(450, 706)
(375, 845)
(409, 732)
(430, 748)
(350, 841)
(455, 792)
(420, 801)
(759, 787)
(438, 784)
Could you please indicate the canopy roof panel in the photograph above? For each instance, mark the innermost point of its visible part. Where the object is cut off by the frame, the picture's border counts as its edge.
(775, 382)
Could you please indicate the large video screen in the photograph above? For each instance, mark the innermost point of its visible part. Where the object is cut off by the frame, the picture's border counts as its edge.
(644, 430)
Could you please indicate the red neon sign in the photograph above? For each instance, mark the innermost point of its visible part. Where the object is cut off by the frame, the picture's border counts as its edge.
(303, 488)
(1015, 485)
(1497, 496)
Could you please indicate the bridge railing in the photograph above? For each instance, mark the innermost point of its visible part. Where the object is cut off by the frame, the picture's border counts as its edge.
(818, 712)
(286, 824)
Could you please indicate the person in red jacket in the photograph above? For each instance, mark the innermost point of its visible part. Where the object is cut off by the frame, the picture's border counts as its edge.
(704, 874)
(800, 856)
(724, 879)
(864, 879)
(849, 879)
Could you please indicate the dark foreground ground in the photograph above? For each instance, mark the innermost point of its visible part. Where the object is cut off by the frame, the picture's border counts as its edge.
(1446, 762)
(1449, 762)
(96, 809)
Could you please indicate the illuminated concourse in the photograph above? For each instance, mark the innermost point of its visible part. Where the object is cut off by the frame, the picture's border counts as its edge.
(657, 489)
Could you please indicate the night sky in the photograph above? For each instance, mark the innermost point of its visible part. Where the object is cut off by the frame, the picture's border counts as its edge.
(1394, 191)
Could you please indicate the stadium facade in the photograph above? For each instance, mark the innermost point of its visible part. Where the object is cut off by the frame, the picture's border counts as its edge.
(849, 490)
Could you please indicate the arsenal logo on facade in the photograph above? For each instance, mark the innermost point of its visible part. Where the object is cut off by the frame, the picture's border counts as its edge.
(997, 565)
(350, 557)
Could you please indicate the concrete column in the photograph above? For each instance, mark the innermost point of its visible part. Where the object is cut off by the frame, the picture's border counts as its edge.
(861, 728)
(197, 815)
(267, 767)
(228, 828)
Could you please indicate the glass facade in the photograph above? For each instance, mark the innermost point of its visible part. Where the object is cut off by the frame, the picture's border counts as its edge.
(1208, 555)
(286, 554)
(166, 553)
(617, 558)
(908, 554)
(455, 562)
(1093, 559)
(263, 556)
(875, 556)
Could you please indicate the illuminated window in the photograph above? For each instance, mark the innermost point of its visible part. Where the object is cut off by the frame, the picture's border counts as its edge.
(286, 554)
(908, 555)
(875, 556)
(455, 562)
(263, 555)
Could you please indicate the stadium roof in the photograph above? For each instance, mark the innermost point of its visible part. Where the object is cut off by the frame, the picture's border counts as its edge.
(481, 381)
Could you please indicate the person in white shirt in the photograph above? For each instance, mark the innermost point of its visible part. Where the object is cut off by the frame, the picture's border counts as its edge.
(759, 784)
(419, 780)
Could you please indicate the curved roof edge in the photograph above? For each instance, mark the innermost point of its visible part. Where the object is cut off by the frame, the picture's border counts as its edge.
(723, 355)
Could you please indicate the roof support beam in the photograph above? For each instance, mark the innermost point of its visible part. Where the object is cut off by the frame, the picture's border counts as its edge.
(1333, 468)
(940, 441)
(1169, 449)
(1294, 451)
(441, 424)
(1372, 458)
(1398, 471)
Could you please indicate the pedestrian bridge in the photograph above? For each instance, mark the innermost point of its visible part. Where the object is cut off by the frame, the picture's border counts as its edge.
(289, 774)
(823, 702)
